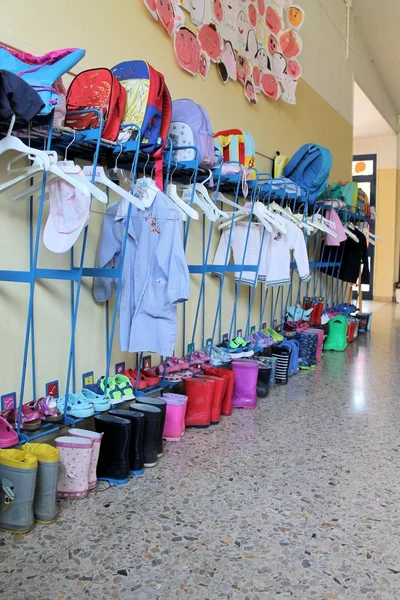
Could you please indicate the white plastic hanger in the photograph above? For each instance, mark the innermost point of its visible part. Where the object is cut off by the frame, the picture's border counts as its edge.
(147, 190)
(308, 227)
(101, 177)
(350, 234)
(172, 194)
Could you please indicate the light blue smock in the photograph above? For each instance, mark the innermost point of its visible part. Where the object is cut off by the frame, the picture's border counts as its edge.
(155, 275)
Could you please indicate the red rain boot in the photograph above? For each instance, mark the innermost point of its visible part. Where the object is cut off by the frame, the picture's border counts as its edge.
(200, 394)
(219, 390)
(226, 408)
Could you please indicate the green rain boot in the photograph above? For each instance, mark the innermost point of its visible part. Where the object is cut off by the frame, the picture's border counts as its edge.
(18, 470)
(337, 335)
(44, 505)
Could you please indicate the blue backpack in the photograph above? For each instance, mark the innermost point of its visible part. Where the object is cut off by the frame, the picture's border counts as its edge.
(310, 167)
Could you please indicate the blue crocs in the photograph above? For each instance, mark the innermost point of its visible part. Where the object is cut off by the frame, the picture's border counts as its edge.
(78, 407)
(99, 401)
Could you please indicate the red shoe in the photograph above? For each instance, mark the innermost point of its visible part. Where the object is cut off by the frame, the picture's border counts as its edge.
(145, 380)
(200, 393)
(219, 391)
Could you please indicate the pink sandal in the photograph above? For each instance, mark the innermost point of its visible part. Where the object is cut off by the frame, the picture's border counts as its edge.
(186, 374)
(198, 358)
(30, 418)
(173, 365)
(47, 409)
(174, 378)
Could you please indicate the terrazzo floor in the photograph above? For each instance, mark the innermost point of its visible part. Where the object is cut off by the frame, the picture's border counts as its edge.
(298, 499)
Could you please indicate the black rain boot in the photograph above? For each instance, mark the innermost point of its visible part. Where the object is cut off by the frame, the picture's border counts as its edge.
(264, 375)
(162, 405)
(152, 419)
(113, 465)
(136, 466)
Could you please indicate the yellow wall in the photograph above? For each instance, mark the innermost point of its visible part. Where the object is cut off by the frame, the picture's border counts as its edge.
(110, 34)
(385, 260)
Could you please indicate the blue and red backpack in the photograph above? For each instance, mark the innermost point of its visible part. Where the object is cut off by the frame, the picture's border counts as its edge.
(148, 106)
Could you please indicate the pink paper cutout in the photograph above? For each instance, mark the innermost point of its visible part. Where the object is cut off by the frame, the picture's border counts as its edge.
(210, 41)
(187, 50)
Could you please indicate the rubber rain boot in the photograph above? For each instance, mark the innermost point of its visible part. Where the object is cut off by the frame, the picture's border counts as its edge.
(244, 392)
(45, 504)
(73, 475)
(175, 400)
(152, 422)
(219, 390)
(18, 472)
(264, 375)
(229, 375)
(162, 405)
(94, 458)
(136, 466)
(113, 465)
(200, 393)
(337, 336)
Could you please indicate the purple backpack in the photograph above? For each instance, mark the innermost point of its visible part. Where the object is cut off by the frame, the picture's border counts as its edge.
(191, 126)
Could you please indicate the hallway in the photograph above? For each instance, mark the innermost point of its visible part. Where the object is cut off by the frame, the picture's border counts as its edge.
(298, 499)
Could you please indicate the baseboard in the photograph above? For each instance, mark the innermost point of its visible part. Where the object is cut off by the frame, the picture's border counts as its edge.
(384, 299)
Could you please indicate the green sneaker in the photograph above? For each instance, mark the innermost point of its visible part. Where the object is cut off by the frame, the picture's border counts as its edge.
(277, 337)
(118, 389)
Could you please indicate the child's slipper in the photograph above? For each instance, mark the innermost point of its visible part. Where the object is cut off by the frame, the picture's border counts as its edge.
(30, 418)
(47, 408)
(8, 437)
(173, 377)
(144, 381)
(186, 374)
(100, 402)
(77, 407)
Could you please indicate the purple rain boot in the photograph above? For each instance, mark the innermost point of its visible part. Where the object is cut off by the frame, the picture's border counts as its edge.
(245, 389)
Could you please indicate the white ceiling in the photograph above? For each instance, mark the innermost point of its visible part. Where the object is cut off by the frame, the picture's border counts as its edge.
(379, 20)
(367, 121)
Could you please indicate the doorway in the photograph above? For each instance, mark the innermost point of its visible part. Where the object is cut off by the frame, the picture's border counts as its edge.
(364, 174)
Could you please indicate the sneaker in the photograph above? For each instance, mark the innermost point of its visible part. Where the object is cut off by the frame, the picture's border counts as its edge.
(245, 346)
(118, 389)
(218, 355)
(236, 351)
(277, 337)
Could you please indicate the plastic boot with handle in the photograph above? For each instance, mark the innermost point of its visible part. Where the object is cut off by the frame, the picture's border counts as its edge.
(200, 393)
(113, 465)
(174, 428)
(18, 471)
(263, 379)
(136, 466)
(45, 505)
(152, 422)
(219, 390)
(226, 407)
(337, 336)
(162, 405)
(73, 474)
(94, 458)
(245, 393)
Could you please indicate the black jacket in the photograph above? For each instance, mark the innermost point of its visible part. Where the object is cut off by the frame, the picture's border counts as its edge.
(18, 98)
(354, 255)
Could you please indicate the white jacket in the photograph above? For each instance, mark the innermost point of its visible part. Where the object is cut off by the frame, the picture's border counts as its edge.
(238, 243)
(277, 255)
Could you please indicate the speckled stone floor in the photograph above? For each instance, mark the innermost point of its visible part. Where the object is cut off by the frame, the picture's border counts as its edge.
(298, 499)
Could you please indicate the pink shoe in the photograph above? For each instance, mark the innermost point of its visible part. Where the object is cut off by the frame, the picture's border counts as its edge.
(8, 437)
(173, 365)
(75, 456)
(47, 409)
(198, 358)
(30, 417)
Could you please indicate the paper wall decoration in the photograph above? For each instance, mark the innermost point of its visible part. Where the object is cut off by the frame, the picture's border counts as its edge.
(254, 42)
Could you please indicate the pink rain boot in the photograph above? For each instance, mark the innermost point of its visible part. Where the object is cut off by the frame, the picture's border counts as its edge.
(73, 477)
(96, 437)
(176, 400)
(245, 390)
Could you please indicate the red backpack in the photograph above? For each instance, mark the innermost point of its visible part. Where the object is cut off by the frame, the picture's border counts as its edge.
(149, 106)
(96, 88)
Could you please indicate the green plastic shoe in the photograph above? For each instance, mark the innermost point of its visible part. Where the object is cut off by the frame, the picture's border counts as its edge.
(337, 336)
(118, 389)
